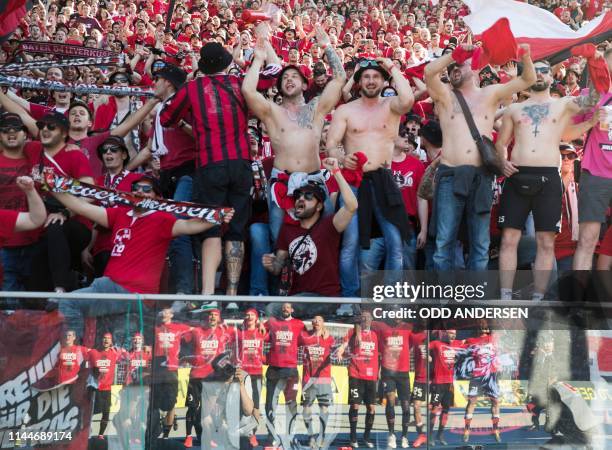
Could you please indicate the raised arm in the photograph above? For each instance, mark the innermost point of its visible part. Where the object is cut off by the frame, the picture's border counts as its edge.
(526, 80)
(94, 213)
(403, 101)
(36, 215)
(195, 226)
(333, 91)
(134, 120)
(257, 103)
(438, 91)
(11, 106)
(344, 215)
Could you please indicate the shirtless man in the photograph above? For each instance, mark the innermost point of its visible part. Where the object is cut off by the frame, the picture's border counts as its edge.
(533, 182)
(461, 165)
(370, 125)
(294, 126)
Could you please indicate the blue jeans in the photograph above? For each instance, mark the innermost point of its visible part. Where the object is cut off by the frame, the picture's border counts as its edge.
(349, 253)
(76, 310)
(17, 262)
(450, 209)
(260, 244)
(181, 248)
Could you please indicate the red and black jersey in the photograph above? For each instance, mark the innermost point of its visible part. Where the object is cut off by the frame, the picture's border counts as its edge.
(395, 345)
(217, 111)
(139, 366)
(284, 335)
(168, 342)
(208, 343)
(317, 356)
(69, 363)
(443, 360)
(417, 342)
(102, 364)
(251, 345)
(364, 359)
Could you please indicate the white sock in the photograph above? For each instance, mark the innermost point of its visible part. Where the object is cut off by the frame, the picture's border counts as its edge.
(506, 294)
(537, 297)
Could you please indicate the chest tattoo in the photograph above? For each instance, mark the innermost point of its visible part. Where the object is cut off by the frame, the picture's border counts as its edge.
(536, 115)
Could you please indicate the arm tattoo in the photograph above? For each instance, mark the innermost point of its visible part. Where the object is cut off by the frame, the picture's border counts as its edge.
(277, 264)
(536, 114)
(305, 116)
(233, 262)
(335, 63)
(589, 101)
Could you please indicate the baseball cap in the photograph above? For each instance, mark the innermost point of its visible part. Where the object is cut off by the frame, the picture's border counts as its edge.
(315, 188)
(11, 120)
(55, 118)
(173, 74)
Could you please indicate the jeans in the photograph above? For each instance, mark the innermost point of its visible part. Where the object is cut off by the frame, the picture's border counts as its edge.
(260, 244)
(181, 248)
(76, 310)
(450, 209)
(349, 253)
(16, 262)
(409, 253)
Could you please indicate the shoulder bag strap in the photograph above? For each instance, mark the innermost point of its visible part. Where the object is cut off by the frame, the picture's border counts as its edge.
(468, 116)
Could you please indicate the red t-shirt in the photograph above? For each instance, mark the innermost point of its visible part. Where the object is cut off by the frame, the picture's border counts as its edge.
(139, 365)
(407, 175)
(315, 262)
(484, 352)
(139, 248)
(395, 345)
(364, 360)
(69, 363)
(207, 344)
(284, 336)
(122, 182)
(168, 342)
(13, 198)
(317, 361)
(103, 363)
(251, 345)
(443, 360)
(417, 342)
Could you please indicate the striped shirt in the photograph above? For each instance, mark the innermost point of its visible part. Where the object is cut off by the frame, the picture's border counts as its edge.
(218, 114)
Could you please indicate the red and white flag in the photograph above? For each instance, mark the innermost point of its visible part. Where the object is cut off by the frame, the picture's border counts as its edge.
(548, 37)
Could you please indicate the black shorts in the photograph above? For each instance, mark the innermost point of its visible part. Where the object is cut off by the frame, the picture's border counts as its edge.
(396, 381)
(256, 389)
(165, 385)
(533, 189)
(443, 395)
(419, 391)
(362, 391)
(226, 183)
(287, 376)
(102, 402)
(194, 393)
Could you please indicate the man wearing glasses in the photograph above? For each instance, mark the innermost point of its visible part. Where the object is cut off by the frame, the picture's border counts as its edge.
(533, 182)
(140, 239)
(370, 125)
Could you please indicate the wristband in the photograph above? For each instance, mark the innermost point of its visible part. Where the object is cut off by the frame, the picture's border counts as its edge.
(335, 171)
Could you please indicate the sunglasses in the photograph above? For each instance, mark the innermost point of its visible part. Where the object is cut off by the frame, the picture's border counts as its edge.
(146, 188)
(307, 195)
(570, 156)
(120, 80)
(368, 63)
(111, 149)
(542, 70)
(50, 126)
(10, 129)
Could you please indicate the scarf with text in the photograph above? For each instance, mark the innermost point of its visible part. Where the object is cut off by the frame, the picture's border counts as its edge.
(79, 89)
(59, 49)
(48, 63)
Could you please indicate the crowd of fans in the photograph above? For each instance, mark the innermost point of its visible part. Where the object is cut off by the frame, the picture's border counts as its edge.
(229, 91)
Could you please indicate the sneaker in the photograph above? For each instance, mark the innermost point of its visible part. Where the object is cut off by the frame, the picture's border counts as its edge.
(533, 428)
(391, 441)
(441, 440)
(354, 444)
(345, 309)
(232, 306)
(368, 443)
(497, 435)
(253, 440)
(188, 442)
(420, 440)
(466, 435)
(405, 443)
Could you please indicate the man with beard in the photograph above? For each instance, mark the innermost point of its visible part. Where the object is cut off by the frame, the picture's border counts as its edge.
(370, 125)
(461, 164)
(533, 183)
(295, 126)
(312, 246)
(442, 354)
(482, 350)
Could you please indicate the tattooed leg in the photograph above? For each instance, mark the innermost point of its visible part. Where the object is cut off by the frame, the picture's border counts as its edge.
(234, 254)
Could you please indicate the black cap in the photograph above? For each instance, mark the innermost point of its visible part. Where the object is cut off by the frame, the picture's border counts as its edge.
(315, 188)
(432, 132)
(11, 120)
(214, 58)
(113, 141)
(279, 78)
(369, 64)
(173, 74)
(56, 118)
(411, 117)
